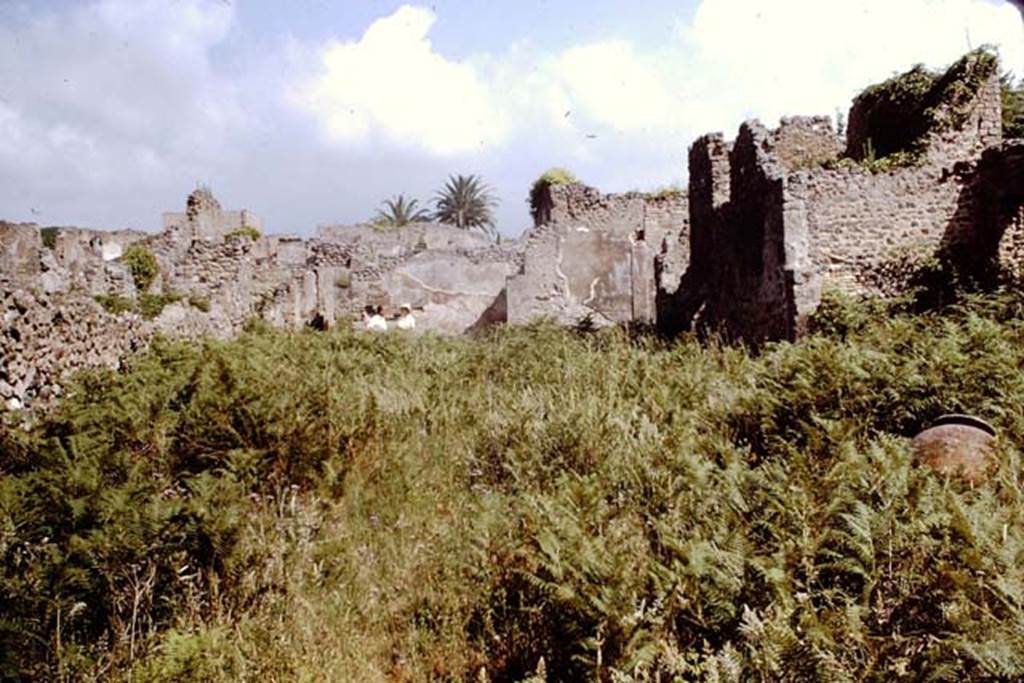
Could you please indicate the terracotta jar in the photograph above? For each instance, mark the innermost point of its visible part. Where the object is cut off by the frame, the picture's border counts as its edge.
(957, 444)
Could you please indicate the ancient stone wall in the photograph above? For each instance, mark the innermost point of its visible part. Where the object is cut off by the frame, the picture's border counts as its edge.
(44, 338)
(204, 219)
(998, 211)
(788, 222)
(20, 246)
(600, 257)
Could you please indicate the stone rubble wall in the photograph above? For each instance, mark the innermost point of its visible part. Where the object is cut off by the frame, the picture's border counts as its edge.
(45, 338)
(772, 226)
(20, 250)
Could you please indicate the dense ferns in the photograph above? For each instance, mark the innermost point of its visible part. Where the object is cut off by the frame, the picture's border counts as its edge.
(535, 504)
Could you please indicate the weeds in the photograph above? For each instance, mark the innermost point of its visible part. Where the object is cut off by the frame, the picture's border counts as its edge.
(537, 503)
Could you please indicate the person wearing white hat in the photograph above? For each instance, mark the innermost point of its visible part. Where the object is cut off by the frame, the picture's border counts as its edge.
(406, 321)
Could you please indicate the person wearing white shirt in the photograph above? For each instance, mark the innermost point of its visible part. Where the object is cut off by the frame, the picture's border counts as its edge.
(406, 321)
(374, 319)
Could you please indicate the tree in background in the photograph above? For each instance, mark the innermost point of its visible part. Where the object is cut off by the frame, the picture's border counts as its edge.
(467, 203)
(398, 212)
(1013, 106)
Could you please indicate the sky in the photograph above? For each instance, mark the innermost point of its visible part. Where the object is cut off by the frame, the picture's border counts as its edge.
(315, 111)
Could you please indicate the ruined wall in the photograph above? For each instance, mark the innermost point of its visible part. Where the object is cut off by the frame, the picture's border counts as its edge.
(740, 258)
(773, 226)
(44, 338)
(600, 257)
(204, 219)
(20, 246)
(805, 142)
(857, 220)
(998, 211)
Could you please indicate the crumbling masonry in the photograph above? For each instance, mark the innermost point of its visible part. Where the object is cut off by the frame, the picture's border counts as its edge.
(769, 222)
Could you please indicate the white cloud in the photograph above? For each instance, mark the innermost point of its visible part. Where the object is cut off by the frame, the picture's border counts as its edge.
(392, 86)
(811, 56)
(611, 84)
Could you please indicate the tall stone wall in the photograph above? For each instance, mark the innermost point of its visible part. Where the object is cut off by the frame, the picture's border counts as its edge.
(742, 262)
(773, 226)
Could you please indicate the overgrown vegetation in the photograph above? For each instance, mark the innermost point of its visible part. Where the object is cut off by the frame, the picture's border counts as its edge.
(890, 120)
(247, 232)
(142, 264)
(152, 305)
(199, 302)
(1012, 92)
(539, 209)
(667, 192)
(115, 303)
(339, 506)
(49, 237)
(148, 305)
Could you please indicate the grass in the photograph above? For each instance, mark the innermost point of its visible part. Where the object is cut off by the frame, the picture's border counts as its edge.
(602, 506)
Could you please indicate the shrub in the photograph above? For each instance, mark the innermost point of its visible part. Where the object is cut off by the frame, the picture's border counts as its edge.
(49, 237)
(667, 192)
(152, 305)
(245, 232)
(142, 264)
(538, 191)
(894, 117)
(344, 280)
(115, 303)
(199, 302)
(1012, 93)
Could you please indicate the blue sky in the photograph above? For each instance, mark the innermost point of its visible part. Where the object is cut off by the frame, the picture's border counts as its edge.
(312, 112)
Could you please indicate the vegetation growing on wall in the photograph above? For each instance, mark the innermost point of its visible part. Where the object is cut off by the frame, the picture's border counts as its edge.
(338, 506)
(49, 237)
(115, 304)
(142, 264)
(539, 209)
(893, 117)
(148, 305)
(245, 232)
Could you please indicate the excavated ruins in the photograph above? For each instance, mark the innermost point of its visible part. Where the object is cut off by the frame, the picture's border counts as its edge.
(770, 221)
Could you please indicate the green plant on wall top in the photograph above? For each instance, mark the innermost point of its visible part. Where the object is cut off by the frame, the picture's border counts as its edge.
(897, 114)
(549, 178)
(244, 232)
(49, 237)
(142, 265)
(115, 304)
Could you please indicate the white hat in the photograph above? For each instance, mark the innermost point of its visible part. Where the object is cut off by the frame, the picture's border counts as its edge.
(407, 307)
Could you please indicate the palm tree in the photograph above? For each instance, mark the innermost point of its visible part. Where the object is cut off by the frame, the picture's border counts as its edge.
(398, 212)
(466, 202)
